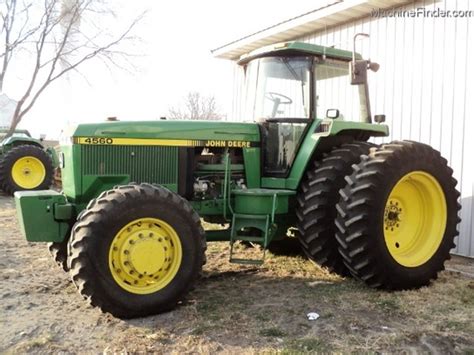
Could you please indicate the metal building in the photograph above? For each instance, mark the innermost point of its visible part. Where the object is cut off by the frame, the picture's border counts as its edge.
(425, 86)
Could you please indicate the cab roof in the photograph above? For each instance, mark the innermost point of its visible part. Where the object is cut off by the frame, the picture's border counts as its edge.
(297, 48)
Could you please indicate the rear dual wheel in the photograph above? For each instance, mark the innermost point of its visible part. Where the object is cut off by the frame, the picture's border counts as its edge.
(317, 199)
(397, 216)
(137, 250)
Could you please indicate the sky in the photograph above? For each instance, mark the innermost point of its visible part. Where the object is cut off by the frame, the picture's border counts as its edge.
(176, 38)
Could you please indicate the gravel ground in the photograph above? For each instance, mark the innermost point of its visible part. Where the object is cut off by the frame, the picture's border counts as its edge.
(234, 309)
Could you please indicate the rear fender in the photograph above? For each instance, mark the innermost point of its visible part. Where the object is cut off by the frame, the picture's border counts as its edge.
(325, 134)
(13, 141)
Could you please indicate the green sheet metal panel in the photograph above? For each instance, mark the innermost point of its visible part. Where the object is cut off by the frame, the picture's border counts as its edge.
(36, 215)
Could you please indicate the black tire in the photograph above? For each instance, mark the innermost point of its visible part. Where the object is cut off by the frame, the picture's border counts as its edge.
(58, 251)
(6, 164)
(94, 231)
(317, 199)
(362, 212)
(288, 246)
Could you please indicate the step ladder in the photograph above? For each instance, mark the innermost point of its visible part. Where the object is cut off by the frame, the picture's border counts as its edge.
(262, 223)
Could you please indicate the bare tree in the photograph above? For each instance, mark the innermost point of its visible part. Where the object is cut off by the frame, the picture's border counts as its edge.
(196, 107)
(53, 38)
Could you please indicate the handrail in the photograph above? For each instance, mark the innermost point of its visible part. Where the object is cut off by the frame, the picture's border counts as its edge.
(227, 176)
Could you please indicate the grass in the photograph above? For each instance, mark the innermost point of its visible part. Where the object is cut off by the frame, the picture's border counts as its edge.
(272, 332)
(306, 345)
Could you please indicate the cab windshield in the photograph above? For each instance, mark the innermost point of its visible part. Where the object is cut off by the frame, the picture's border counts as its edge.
(278, 88)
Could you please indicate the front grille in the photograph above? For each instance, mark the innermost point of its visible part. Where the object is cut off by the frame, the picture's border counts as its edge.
(152, 164)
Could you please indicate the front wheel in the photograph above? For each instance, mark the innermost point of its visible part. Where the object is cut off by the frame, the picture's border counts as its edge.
(26, 167)
(136, 251)
(58, 251)
(397, 216)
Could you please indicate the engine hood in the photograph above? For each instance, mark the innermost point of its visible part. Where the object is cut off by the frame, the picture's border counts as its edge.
(172, 133)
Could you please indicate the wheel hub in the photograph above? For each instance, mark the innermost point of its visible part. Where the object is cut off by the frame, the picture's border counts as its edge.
(414, 219)
(392, 215)
(28, 172)
(145, 255)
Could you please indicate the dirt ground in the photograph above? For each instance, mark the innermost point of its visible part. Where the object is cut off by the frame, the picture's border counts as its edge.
(234, 309)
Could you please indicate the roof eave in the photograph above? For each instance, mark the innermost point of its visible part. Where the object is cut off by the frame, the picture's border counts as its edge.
(319, 19)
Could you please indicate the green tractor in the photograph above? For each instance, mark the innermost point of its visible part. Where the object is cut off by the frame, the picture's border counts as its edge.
(25, 164)
(128, 224)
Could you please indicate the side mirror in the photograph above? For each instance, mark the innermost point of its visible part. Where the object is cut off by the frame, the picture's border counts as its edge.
(379, 118)
(332, 113)
(374, 66)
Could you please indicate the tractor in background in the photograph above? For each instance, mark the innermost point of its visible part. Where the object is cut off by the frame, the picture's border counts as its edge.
(25, 163)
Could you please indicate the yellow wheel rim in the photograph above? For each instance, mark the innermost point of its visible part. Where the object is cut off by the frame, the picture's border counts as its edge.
(415, 219)
(28, 172)
(145, 255)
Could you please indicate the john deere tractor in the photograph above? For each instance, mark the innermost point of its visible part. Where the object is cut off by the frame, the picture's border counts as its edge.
(128, 224)
(25, 164)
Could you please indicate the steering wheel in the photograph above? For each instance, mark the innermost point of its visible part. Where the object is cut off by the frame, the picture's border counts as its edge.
(276, 98)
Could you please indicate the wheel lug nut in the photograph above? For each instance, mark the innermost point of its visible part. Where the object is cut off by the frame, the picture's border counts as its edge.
(126, 252)
(140, 235)
(150, 235)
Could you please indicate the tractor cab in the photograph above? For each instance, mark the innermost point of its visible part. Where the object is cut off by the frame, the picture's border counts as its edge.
(288, 87)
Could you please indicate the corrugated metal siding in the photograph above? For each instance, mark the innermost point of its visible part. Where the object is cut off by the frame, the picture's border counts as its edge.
(425, 86)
